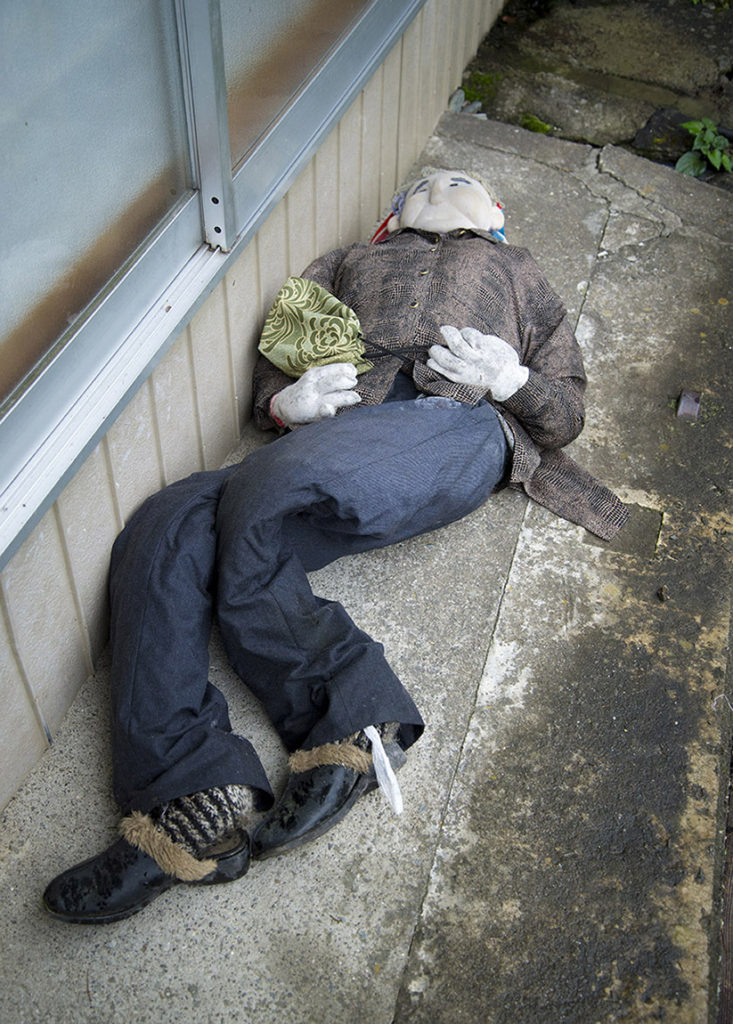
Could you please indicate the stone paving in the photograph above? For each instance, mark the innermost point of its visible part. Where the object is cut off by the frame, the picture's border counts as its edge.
(625, 72)
(560, 853)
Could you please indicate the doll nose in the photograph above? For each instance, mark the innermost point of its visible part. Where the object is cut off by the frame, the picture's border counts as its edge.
(437, 190)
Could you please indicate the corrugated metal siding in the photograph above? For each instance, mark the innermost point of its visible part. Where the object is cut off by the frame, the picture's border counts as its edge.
(188, 415)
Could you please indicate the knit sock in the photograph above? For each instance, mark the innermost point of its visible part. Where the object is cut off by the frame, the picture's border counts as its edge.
(198, 821)
(387, 730)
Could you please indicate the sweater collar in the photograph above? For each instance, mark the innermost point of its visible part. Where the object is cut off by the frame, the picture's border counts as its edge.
(434, 236)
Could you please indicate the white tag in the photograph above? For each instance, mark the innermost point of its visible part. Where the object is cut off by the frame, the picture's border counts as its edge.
(385, 775)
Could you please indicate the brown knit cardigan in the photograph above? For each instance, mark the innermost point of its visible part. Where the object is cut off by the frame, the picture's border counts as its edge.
(405, 288)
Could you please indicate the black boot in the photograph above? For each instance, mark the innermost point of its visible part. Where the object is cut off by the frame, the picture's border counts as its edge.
(156, 851)
(323, 786)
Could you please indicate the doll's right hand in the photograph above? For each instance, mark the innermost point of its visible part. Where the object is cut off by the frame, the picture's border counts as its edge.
(320, 392)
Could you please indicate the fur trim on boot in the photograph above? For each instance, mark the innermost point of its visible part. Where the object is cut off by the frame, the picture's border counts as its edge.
(139, 830)
(347, 755)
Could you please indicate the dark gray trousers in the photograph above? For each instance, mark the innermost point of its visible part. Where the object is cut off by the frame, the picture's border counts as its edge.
(237, 544)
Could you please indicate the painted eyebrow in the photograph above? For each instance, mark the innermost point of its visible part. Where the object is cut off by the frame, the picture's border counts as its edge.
(419, 185)
(464, 181)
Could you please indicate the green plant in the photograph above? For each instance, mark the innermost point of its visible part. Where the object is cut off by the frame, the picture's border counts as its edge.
(708, 148)
(534, 124)
(720, 5)
(481, 86)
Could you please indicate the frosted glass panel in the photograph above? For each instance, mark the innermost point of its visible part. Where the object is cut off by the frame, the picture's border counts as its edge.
(94, 154)
(270, 50)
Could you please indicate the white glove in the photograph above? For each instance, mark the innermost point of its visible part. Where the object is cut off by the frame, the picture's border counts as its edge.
(479, 359)
(318, 393)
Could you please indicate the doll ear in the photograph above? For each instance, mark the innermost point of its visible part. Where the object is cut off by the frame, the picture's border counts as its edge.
(394, 222)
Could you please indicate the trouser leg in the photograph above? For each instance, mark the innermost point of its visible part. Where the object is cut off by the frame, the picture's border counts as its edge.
(371, 477)
(171, 733)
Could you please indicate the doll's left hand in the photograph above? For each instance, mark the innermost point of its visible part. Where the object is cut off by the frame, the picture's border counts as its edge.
(483, 360)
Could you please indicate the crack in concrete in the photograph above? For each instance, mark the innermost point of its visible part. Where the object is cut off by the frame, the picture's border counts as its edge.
(601, 236)
(646, 200)
(653, 211)
(420, 953)
(595, 165)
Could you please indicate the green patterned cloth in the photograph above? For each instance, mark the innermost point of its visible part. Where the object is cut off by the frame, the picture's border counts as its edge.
(307, 326)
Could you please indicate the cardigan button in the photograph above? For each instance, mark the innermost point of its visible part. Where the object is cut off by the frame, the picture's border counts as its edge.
(423, 272)
(414, 304)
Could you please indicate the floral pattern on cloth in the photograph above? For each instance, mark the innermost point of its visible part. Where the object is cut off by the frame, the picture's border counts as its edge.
(308, 326)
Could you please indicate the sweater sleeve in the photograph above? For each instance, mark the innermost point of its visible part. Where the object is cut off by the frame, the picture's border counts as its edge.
(550, 406)
(551, 410)
(266, 383)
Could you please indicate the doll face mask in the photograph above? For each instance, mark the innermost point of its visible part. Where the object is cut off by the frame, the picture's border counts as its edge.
(446, 201)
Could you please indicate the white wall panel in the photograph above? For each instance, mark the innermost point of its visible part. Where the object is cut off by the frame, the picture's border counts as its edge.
(88, 524)
(389, 129)
(408, 129)
(489, 13)
(445, 27)
(371, 119)
(431, 100)
(349, 173)
(188, 414)
(301, 221)
(272, 257)
(23, 739)
(175, 413)
(214, 395)
(470, 30)
(244, 318)
(133, 454)
(326, 194)
(455, 50)
(47, 635)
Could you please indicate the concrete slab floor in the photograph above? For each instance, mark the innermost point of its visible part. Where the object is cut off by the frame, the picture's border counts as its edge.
(559, 856)
(611, 72)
